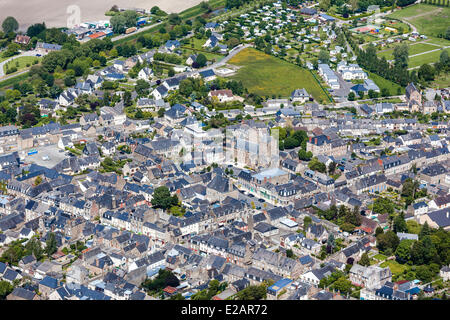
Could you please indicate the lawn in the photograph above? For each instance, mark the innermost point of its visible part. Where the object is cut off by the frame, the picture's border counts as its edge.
(442, 81)
(425, 58)
(432, 24)
(380, 257)
(412, 11)
(396, 268)
(266, 75)
(413, 49)
(209, 55)
(384, 83)
(23, 62)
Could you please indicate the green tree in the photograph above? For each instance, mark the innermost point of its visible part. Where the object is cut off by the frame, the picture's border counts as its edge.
(365, 260)
(5, 289)
(387, 242)
(161, 112)
(316, 165)
(10, 24)
(351, 96)
(200, 61)
(424, 273)
(403, 251)
(304, 155)
(400, 224)
(119, 23)
(163, 199)
(51, 245)
(426, 72)
(343, 285)
(401, 54)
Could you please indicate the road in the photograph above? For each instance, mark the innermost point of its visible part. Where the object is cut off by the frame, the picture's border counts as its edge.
(23, 54)
(215, 64)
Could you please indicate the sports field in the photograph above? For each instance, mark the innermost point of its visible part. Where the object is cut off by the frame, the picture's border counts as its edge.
(266, 75)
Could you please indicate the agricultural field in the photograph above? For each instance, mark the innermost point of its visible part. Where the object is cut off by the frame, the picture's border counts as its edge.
(265, 75)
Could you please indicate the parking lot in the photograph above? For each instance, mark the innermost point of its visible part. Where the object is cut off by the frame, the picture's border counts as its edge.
(53, 153)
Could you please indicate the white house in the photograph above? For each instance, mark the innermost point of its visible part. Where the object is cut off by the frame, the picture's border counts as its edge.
(145, 73)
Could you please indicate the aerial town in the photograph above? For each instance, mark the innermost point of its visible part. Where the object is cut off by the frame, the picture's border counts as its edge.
(237, 150)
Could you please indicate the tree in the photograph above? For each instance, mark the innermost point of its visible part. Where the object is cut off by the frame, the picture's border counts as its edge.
(50, 244)
(351, 96)
(252, 293)
(387, 242)
(401, 53)
(163, 199)
(385, 92)
(331, 242)
(324, 56)
(365, 260)
(200, 61)
(343, 285)
(424, 273)
(378, 231)
(361, 94)
(5, 289)
(426, 72)
(332, 168)
(306, 222)
(174, 19)
(35, 29)
(161, 112)
(403, 251)
(425, 231)
(119, 23)
(10, 24)
(400, 224)
(372, 94)
(316, 165)
(324, 4)
(304, 155)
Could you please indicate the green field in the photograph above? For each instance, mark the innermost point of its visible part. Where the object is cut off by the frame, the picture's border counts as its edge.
(442, 81)
(384, 83)
(431, 57)
(431, 24)
(209, 55)
(411, 11)
(266, 75)
(380, 257)
(396, 268)
(23, 61)
(12, 81)
(197, 10)
(413, 49)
